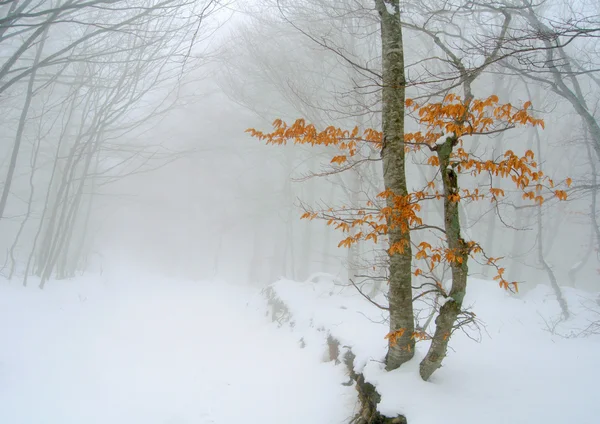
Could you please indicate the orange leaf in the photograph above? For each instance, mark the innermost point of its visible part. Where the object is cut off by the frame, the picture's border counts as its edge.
(338, 159)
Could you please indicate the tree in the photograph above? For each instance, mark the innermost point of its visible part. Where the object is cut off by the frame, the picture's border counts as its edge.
(98, 73)
(312, 80)
(447, 124)
(561, 54)
(401, 349)
(531, 45)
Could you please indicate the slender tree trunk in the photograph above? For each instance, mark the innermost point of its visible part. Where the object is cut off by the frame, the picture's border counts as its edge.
(67, 258)
(22, 121)
(13, 261)
(393, 155)
(60, 200)
(351, 189)
(289, 259)
(522, 220)
(61, 191)
(79, 258)
(32, 255)
(21, 127)
(491, 225)
(593, 202)
(449, 311)
(553, 281)
(70, 211)
(540, 245)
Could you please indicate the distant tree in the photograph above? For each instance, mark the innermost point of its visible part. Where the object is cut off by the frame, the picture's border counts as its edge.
(83, 78)
(312, 80)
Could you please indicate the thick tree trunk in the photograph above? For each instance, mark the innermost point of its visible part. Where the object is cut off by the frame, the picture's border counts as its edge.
(449, 311)
(400, 290)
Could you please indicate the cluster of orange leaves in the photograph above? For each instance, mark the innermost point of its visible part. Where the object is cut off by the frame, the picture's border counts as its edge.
(453, 117)
(393, 336)
(478, 116)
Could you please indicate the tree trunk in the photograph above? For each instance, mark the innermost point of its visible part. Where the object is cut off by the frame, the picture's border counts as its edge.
(353, 253)
(21, 127)
(22, 121)
(400, 291)
(449, 311)
(540, 245)
(593, 209)
(70, 210)
(34, 254)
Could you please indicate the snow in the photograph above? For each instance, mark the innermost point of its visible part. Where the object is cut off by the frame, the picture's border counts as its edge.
(133, 348)
(443, 138)
(391, 9)
(137, 349)
(518, 373)
(339, 309)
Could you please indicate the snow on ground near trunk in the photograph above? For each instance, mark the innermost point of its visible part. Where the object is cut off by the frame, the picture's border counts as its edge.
(139, 350)
(518, 373)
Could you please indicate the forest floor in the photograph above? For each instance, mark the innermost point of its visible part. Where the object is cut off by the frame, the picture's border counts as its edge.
(136, 349)
(142, 351)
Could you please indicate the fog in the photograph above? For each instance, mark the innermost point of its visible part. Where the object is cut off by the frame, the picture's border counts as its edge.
(149, 139)
(182, 141)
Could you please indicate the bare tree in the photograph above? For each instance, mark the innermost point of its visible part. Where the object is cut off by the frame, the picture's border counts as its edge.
(116, 75)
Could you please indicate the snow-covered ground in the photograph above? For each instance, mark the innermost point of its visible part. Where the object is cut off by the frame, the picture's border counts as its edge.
(518, 373)
(129, 349)
(137, 350)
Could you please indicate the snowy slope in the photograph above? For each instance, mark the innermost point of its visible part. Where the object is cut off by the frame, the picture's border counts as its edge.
(518, 373)
(137, 350)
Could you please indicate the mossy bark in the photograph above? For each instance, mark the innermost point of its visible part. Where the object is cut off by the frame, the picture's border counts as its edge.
(449, 311)
(394, 177)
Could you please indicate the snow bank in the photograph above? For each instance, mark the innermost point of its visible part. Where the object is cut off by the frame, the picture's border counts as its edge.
(338, 309)
(519, 373)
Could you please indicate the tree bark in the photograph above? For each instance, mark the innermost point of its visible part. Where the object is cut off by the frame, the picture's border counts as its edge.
(449, 311)
(393, 155)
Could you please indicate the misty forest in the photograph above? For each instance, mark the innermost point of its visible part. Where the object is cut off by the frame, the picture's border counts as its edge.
(308, 211)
